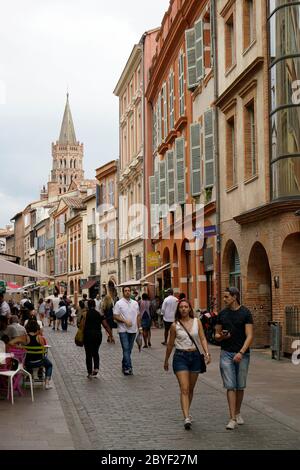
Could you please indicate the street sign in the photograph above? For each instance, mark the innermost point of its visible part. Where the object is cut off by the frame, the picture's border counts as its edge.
(205, 232)
(153, 259)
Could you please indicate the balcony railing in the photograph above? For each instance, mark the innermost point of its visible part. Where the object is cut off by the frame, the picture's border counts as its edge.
(93, 269)
(92, 232)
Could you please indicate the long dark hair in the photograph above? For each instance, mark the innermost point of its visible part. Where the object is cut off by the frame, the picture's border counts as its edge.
(178, 314)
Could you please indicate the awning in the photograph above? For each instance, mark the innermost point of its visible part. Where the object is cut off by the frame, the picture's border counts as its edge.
(134, 282)
(156, 271)
(7, 267)
(88, 284)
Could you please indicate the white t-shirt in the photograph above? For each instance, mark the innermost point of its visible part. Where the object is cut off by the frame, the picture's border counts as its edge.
(55, 303)
(98, 305)
(129, 310)
(169, 307)
(4, 309)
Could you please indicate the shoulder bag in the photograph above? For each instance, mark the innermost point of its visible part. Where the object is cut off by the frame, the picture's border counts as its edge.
(202, 360)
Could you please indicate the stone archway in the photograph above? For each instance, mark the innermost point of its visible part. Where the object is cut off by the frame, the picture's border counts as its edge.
(231, 270)
(290, 292)
(185, 269)
(258, 297)
(167, 272)
(175, 279)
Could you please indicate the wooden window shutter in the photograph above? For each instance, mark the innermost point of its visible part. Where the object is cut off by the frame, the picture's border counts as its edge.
(195, 130)
(209, 148)
(171, 179)
(180, 170)
(191, 57)
(199, 49)
(162, 187)
(165, 105)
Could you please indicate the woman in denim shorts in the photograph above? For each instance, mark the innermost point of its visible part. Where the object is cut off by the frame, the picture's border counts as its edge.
(186, 359)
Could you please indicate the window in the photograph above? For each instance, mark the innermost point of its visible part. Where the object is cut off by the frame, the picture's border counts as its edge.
(230, 42)
(181, 83)
(250, 140)
(195, 158)
(165, 110)
(209, 148)
(248, 22)
(231, 157)
(235, 270)
(111, 195)
(180, 170)
(93, 254)
(171, 100)
(138, 261)
(158, 120)
(103, 248)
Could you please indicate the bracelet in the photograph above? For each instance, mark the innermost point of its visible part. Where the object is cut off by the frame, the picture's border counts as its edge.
(240, 352)
(207, 354)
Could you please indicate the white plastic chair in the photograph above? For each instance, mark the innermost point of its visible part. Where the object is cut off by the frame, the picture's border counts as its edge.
(10, 374)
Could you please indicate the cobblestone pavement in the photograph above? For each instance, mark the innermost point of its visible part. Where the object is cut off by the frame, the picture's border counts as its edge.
(143, 411)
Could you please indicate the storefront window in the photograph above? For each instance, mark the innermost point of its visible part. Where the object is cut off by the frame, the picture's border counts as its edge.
(284, 34)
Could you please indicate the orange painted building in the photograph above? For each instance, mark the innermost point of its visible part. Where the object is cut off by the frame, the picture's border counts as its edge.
(180, 169)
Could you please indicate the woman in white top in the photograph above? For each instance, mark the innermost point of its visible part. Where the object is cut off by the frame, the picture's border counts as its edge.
(186, 359)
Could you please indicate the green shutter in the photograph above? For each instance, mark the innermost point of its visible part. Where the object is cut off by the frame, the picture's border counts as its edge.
(165, 105)
(152, 199)
(191, 57)
(195, 130)
(162, 188)
(180, 170)
(209, 148)
(199, 50)
(171, 179)
(171, 100)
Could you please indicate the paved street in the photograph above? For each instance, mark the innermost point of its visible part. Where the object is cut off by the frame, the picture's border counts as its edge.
(143, 411)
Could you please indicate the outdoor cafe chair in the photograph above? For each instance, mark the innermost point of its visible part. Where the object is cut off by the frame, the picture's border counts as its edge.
(12, 375)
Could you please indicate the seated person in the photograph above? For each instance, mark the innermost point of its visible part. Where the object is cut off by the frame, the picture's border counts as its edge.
(14, 329)
(34, 338)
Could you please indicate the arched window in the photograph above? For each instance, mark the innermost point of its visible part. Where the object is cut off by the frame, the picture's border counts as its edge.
(71, 288)
(235, 269)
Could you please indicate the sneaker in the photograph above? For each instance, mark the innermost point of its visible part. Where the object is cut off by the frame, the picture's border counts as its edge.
(95, 372)
(187, 424)
(191, 418)
(89, 376)
(48, 386)
(145, 346)
(239, 419)
(128, 372)
(232, 424)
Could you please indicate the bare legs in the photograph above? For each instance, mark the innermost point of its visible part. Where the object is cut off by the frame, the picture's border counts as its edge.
(187, 381)
(235, 399)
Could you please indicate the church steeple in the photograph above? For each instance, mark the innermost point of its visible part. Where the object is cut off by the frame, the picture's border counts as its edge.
(67, 156)
(67, 132)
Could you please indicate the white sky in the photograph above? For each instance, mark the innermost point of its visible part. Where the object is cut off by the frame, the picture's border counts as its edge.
(45, 47)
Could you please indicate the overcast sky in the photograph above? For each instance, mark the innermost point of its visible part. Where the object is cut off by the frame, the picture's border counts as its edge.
(47, 46)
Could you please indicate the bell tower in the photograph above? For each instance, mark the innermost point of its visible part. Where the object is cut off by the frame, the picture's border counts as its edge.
(67, 155)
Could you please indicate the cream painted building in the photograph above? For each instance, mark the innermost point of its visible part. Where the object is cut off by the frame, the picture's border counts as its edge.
(130, 93)
(107, 228)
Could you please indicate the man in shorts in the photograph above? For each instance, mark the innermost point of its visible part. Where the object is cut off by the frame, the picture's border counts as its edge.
(234, 330)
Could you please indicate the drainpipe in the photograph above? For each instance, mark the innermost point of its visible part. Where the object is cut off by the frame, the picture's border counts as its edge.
(216, 140)
(142, 42)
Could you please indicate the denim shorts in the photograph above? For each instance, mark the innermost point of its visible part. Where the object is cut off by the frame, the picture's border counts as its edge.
(186, 360)
(234, 374)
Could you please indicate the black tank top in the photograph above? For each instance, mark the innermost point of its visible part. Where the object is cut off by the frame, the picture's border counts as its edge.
(33, 357)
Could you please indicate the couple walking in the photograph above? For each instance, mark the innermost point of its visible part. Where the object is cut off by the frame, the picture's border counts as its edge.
(234, 331)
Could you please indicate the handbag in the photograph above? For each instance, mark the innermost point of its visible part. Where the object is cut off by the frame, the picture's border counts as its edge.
(202, 360)
(79, 337)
